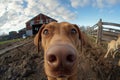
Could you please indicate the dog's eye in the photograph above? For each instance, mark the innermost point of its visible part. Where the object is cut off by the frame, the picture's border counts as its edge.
(45, 32)
(73, 31)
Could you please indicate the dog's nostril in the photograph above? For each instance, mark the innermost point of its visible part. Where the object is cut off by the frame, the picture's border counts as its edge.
(70, 58)
(52, 58)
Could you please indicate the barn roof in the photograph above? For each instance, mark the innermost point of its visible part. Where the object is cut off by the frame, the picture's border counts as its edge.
(41, 15)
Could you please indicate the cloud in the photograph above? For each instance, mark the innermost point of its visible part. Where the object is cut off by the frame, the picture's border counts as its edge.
(112, 2)
(50, 8)
(99, 3)
(79, 3)
(94, 3)
(14, 13)
(106, 3)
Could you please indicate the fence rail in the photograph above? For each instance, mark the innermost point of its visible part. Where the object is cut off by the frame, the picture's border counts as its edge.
(103, 33)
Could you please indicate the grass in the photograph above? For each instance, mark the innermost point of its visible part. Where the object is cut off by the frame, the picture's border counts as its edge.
(8, 41)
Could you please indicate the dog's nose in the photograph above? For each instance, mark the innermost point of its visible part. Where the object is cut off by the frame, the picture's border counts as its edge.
(61, 56)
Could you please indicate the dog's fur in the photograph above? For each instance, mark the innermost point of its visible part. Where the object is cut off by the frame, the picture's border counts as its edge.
(118, 41)
(59, 33)
(111, 48)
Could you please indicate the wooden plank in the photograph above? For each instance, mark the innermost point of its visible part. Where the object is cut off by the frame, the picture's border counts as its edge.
(102, 34)
(111, 37)
(106, 39)
(110, 33)
(109, 23)
(94, 26)
(111, 29)
(99, 32)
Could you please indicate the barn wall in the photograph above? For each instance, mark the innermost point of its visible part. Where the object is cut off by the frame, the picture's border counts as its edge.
(39, 19)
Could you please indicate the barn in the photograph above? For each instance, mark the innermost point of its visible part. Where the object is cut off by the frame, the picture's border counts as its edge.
(33, 25)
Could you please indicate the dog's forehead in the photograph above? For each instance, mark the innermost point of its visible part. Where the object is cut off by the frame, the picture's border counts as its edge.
(60, 25)
(66, 24)
(52, 25)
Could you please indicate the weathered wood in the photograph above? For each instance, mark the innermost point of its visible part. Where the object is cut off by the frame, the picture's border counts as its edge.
(109, 37)
(109, 23)
(104, 33)
(94, 26)
(112, 34)
(99, 32)
(116, 30)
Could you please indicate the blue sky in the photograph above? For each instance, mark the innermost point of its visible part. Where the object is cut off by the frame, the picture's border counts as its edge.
(14, 13)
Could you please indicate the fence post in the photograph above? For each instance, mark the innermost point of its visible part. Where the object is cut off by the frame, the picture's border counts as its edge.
(99, 32)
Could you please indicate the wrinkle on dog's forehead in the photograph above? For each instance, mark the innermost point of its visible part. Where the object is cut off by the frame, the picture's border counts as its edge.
(65, 24)
(53, 25)
(61, 25)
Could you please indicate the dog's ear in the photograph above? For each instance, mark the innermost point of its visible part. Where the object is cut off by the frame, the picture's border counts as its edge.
(37, 38)
(81, 36)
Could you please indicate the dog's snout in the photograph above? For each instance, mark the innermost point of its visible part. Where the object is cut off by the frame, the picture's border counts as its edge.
(61, 56)
(52, 58)
(70, 58)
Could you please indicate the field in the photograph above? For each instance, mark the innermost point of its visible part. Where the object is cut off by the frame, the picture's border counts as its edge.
(9, 41)
(24, 63)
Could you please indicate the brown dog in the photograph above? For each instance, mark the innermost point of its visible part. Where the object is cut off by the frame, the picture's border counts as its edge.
(61, 43)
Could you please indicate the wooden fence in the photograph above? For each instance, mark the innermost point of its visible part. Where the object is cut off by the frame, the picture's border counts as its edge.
(103, 33)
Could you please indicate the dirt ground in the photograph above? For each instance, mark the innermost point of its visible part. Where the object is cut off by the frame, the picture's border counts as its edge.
(24, 63)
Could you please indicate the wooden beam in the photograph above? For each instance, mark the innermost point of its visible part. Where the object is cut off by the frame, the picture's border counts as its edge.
(107, 36)
(110, 33)
(94, 26)
(99, 32)
(106, 39)
(111, 29)
(103, 33)
(112, 24)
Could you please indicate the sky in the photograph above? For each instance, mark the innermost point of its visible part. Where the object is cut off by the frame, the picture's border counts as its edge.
(15, 13)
